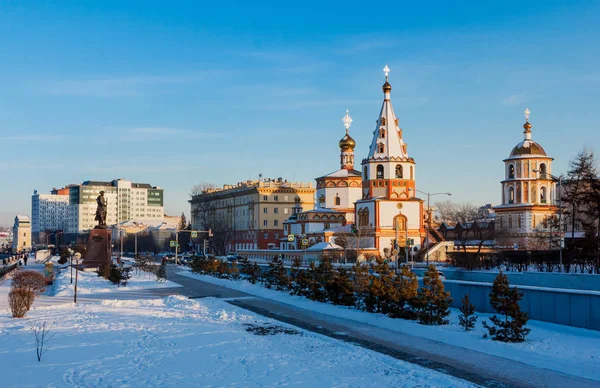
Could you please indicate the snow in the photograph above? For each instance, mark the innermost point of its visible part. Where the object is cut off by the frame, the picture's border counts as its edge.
(561, 348)
(91, 283)
(175, 341)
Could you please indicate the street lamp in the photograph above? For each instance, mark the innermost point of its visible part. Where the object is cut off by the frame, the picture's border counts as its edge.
(77, 257)
(560, 231)
(429, 218)
(71, 260)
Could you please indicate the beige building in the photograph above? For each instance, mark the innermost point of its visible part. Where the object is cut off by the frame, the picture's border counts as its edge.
(21, 234)
(249, 215)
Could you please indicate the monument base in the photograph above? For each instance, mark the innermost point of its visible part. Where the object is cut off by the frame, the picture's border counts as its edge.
(98, 250)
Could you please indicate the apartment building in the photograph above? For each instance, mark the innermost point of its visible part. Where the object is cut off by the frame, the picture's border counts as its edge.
(49, 214)
(249, 215)
(126, 201)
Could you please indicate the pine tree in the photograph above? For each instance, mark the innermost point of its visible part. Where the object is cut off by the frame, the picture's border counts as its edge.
(235, 271)
(466, 319)
(340, 290)
(505, 300)
(360, 280)
(406, 285)
(182, 222)
(276, 276)
(432, 301)
(295, 273)
(161, 273)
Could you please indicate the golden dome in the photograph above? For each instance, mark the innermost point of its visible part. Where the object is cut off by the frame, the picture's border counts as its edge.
(387, 87)
(527, 147)
(347, 143)
(527, 126)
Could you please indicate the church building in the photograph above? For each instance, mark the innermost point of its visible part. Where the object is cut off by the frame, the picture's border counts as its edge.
(528, 210)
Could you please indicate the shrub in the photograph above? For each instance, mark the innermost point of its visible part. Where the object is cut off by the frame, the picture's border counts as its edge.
(118, 275)
(466, 319)
(339, 289)
(277, 276)
(361, 280)
(505, 301)
(252, 271)
(234, 271)
(29, 280)
(433, 303)
(62, 260)
(20, 301)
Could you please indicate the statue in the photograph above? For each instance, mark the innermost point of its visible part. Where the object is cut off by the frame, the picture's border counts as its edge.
(101, 211)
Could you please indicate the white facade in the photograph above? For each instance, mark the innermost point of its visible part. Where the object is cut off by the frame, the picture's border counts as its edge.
(21, 234)
(126, 201)
(49, 212)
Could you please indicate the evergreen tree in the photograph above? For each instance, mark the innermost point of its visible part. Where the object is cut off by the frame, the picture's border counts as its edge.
(252, 271)
(295, 272)
(234, 271)
(276, 276)
(433, 303)
(466, 319)
(387, 293)
(406, 285)
(505, 300)
(340, 290)
(361, 280)
(161, 273)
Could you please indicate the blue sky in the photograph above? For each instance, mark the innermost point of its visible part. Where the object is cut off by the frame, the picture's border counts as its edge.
(174, 93)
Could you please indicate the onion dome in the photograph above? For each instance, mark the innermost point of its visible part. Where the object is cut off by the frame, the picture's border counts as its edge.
(527, 146)
(387, 87)
(347, 143)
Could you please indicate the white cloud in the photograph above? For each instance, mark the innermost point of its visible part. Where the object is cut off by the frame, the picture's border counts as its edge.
(516, 99)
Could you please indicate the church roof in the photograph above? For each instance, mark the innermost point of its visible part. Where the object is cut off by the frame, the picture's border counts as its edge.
(325, 246)
(527, 147)
(342, 173)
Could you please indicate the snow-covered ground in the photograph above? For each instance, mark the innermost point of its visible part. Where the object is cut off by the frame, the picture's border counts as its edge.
(561, 348)
(91, 283)
(180, 342)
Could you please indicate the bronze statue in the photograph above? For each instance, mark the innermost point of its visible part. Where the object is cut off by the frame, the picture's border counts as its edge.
(101, 211)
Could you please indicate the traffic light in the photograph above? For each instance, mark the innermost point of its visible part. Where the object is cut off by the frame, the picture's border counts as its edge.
(354, 230)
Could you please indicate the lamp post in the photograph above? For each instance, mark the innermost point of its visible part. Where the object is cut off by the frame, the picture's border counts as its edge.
(429, 218)
(77, 257)
(560, 231)
(71, 260)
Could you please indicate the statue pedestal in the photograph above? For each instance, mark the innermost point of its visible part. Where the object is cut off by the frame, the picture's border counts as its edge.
(98, 250)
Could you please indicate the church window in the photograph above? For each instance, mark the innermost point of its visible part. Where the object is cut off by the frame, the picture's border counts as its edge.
(501, 219)
(543, 171)
(399, 171)
(519, 221)
(379, 171)
(510, 221)
(533, 221)
(381, 148)
(543, 195)
(511, 171)
(411, 173)
(363, 217)
(383, 122)
(545, 222)
(382, 133)
(337, 200)
(511, 195)
(400, 222)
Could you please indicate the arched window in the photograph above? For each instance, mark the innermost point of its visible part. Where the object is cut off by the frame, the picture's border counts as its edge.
(543, 171)
(365, 177)
(381, 148)
(382, 133)
(511, 171)
(363, 217)
(383, 121)
(411, 173)
(511, 195)
(379, 171)
(399, 222)
(543, 195)
(337, 200)
(399, 171)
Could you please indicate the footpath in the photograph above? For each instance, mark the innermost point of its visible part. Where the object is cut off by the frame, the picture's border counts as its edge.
(477, 367)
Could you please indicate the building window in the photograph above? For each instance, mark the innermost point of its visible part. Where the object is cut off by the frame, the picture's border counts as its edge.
(276, 223)
(363, 217)
(533, 221)
(264, 197)
(327, 225)
(543, 171)
(411, 173)
(265, 223)
(266, 236)
(519, 221)
(381, 148)
(276, 210)
(543, 195)
(511, 171)
(399, 222)
(382, 133)
(265, 210)
(285, 211)
(276, 197)
(365, 177)
(399, 171)
(285, 198)
(511, 195)
(379, 171)
(276, 236)
(337, 200)
(510, 221)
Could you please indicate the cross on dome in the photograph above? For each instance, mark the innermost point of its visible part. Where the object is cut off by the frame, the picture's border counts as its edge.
(347, 121)
(527, 113)
(386, 71)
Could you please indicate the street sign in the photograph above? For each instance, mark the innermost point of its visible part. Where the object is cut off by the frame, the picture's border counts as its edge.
(291, 238)
(516, 247)
(395, 252)
(172, 243)
(194, 234)
(304, 242)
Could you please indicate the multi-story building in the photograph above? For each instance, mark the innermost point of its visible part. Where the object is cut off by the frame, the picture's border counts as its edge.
(126, 201)
(251, 214)
(21, 234)
(49, 214)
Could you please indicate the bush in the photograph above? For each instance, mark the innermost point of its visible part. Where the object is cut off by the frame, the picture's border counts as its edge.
(277, 276)
(29, 280)
(466, 319)
(62, 260)
(505, 301)
(339, 289)
(118, 275)
(252, 271)
(20, 301)
(234, 271)
(433, 303)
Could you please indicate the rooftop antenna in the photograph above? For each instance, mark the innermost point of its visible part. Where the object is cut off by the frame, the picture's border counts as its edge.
(260, 176)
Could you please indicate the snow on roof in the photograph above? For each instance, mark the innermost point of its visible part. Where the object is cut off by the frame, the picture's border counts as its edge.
(21, 217)
(323, 210)
(325, 246)
(342, 173)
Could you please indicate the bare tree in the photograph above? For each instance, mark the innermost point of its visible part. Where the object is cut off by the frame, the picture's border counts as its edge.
(41, 329)
(446, 210)
(201, 188)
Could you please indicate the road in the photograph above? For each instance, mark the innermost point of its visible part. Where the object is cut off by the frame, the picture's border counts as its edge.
(480, 368)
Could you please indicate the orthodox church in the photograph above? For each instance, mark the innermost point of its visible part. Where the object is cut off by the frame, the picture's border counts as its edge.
(528, 210)
(377, 205)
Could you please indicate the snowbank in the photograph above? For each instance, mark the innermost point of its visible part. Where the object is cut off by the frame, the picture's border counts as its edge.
(561, 348)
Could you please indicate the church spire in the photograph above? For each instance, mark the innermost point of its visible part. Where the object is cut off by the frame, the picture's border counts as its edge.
(527, 125)
(347, 145)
